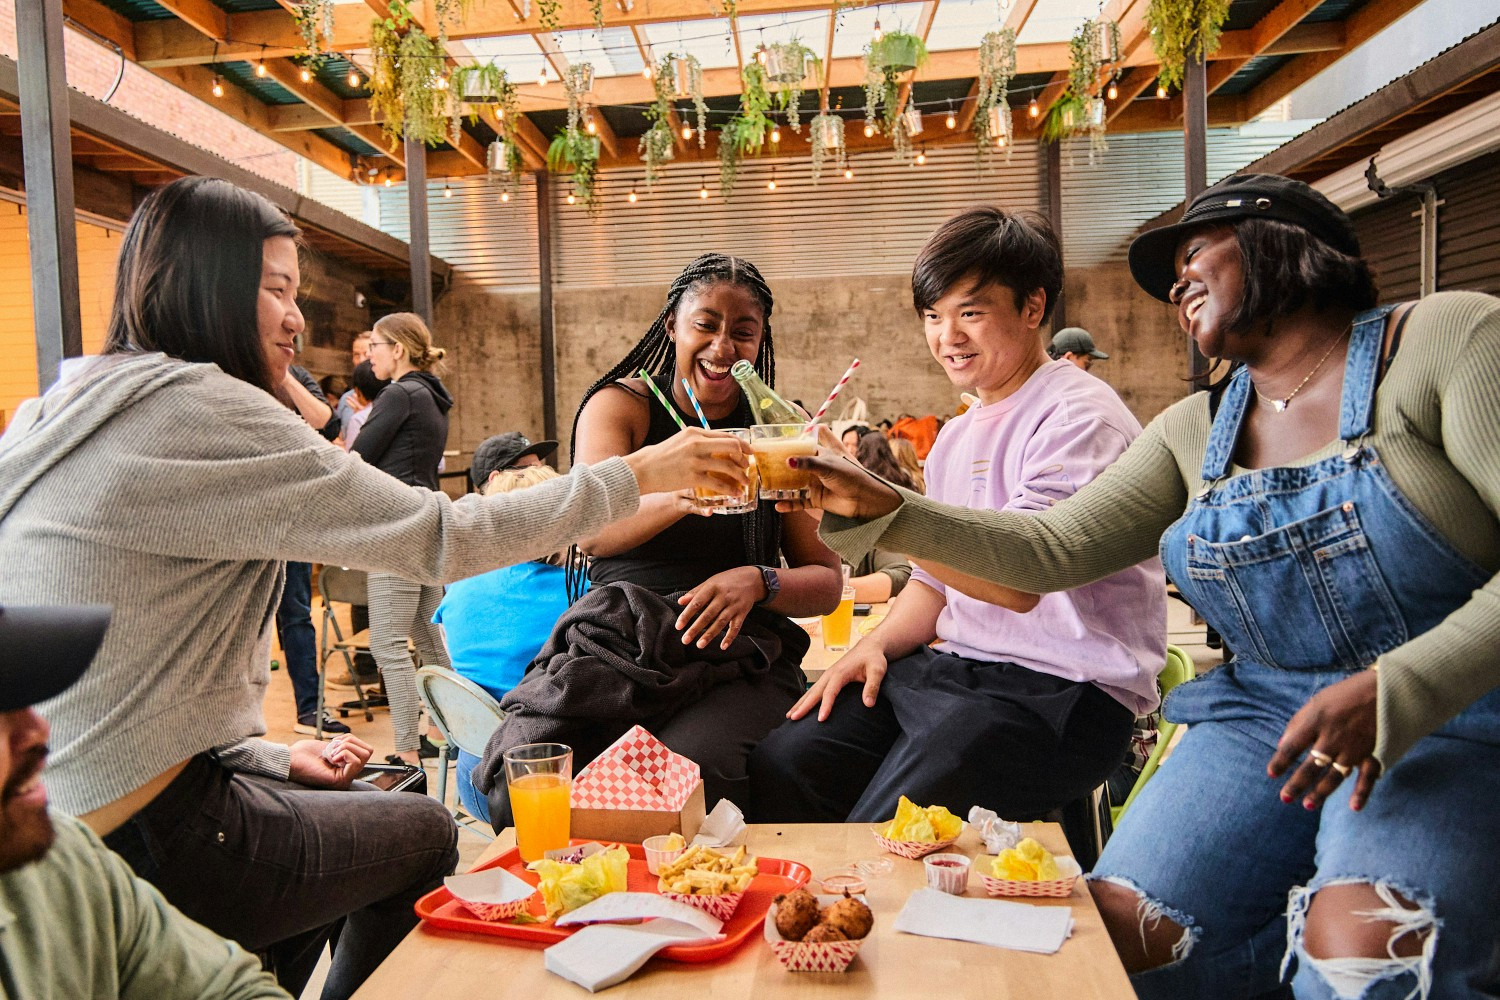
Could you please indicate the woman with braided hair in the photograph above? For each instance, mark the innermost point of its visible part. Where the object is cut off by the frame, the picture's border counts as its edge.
(707, 599)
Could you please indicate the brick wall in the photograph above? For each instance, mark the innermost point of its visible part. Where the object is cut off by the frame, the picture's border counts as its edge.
(92, 68)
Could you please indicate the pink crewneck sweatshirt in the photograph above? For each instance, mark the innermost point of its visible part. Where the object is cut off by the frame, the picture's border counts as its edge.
(1023, 453)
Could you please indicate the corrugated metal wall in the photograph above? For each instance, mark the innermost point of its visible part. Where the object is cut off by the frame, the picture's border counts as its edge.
(1469, 226)
(491, 242)
(1390, 236)
(1140, 176)
(872, 224)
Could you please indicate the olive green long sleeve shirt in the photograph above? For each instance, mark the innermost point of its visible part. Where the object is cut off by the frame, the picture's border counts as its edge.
(1436, 426)
(79, 924)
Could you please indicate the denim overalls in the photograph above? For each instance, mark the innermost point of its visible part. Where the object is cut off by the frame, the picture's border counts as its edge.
(1310, 573)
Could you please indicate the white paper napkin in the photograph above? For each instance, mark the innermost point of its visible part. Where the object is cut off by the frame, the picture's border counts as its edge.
(493, 886)
(617, 906)
(998, 834)
(995, 922)
(600, 956)
(724, 827)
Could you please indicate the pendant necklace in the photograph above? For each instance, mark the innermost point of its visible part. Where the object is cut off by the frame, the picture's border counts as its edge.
(1280, 405)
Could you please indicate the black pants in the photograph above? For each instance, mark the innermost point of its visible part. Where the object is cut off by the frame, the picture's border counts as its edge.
(945, 731)
(276, 866)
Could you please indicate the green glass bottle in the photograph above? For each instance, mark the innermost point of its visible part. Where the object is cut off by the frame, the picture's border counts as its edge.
(765, 406)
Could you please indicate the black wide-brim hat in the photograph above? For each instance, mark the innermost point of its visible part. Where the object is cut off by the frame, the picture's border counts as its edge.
(1243, 196)
(44, 649)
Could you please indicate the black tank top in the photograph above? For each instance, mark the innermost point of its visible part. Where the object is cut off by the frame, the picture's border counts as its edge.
(689, 551)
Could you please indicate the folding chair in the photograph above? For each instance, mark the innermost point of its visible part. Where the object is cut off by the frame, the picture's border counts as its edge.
(344, 586)
(466, 714)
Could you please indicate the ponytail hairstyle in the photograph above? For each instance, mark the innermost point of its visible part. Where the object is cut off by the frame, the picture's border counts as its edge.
(656, 353)
(408, 330)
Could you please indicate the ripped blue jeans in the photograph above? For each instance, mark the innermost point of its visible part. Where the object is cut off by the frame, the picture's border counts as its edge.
(1210, 846)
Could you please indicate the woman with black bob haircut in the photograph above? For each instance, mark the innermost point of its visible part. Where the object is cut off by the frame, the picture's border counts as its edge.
(1331, 509)
(162, 479)
(694, 608)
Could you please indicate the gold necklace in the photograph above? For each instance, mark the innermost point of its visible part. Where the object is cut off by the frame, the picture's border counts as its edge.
(1280, 405)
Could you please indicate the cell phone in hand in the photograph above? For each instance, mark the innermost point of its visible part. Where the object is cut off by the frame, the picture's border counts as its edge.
(862, 609)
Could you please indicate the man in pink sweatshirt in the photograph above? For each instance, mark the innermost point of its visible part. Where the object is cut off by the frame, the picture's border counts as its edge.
(969, 693)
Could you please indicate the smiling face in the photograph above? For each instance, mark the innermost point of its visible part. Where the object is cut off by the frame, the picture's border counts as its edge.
(985, 344)
(713, 327)
(276, 314)
(25, 830)
(1210, 286)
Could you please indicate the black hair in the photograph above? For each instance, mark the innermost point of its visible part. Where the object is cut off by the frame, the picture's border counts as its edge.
(367, 382)
(874, 453)
(1287, 267)
(656, 353)
(189, 276)
(1018, 250)
(859, 429)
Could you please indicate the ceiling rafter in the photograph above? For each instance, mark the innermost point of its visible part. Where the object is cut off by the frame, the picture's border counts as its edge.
(648, 57)
(328, 104)
(1361, 26)
(833, 25)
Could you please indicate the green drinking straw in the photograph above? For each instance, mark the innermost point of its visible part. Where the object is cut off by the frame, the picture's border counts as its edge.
(670, 408)
(694, 400)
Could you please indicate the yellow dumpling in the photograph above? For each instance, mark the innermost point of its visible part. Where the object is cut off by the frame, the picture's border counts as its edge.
(925, 826)
(1028, 861)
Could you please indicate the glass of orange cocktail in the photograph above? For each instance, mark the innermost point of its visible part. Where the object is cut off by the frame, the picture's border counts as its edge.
(772, 445)
(540, 779)
(741, 500)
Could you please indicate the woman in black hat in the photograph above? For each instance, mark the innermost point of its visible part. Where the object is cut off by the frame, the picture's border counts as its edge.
(1330, 507)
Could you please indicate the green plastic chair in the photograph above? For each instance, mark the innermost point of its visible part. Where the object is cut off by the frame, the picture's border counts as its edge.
(1179, 668)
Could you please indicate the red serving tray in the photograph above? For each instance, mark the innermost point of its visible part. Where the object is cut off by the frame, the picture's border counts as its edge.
(440, 909)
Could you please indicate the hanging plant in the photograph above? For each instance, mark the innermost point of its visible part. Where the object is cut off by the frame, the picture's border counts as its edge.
(577, 152)
(788, 65)
(827, 134)
(656, 148)
(680, 77)
(314, 20)
(886, 59)
(1086, 50)
(1180, 27)
(549, 13)
(577, 81)
(449, 12)
(1064, 119)
(994, 130)
(403, 82)
(745, 134)
(503, 163)
(596, 7)
(475, 85)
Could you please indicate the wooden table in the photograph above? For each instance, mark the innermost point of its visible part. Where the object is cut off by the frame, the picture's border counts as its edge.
(819, 657)
(445, 965)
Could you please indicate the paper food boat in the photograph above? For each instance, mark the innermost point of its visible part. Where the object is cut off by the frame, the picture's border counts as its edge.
(815, 956)
(911, 848)
(722, 906)
(1068, 872)
(492, 894)
(637, 789)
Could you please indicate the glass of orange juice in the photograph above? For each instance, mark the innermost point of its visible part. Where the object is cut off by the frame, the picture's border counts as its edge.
(540, 779)
(838, 624)
(772, 445)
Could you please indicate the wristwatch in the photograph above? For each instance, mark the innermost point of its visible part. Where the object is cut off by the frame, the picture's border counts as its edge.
(772, 580)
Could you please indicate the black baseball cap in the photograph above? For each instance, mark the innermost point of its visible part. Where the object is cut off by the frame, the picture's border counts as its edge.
(502, 451)
(44, 649)
(1077, 340)
(1243, 196)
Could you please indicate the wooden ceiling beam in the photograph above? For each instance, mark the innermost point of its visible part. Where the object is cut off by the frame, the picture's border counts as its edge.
(1130, 86)
(833, 24)
(1019, 14)
(1359, 28)
(103, 22)
(970, 108)
(207, 18)
(328, 104)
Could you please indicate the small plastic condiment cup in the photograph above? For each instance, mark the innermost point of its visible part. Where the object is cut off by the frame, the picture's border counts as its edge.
(843, 884)
(947, 872)
(658, 854)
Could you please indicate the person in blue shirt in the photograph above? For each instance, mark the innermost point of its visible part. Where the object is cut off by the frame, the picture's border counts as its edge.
(496, 623)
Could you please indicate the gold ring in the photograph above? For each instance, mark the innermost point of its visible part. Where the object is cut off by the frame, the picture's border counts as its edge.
(1342, 769)
(1319, 758)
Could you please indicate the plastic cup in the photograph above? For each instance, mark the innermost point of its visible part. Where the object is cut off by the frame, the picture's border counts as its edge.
(772, 445)
(539, 777)
(838, 624)
(947, 872)
(738, 502)
(659, 852)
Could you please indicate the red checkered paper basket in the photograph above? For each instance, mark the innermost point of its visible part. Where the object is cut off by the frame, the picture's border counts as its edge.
(637, 772)
(722, 906)
(811, 956)
(1068, 872)
(912, 848)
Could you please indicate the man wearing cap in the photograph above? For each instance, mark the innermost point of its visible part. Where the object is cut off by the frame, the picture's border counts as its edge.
(511, 450)
(1074, 344)
(75, 921)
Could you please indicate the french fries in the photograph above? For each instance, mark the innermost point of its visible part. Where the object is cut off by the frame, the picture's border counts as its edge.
(702, 871)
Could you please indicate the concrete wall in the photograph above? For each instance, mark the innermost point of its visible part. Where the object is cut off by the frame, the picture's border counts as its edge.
(819, 325)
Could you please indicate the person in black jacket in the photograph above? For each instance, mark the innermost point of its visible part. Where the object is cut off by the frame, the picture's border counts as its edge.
(404, 436)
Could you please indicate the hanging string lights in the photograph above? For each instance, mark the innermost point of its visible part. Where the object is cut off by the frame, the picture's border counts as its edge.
(702, 189)
(218, 87)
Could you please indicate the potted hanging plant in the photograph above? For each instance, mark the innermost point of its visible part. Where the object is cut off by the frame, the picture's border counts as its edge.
(1180, 27)
(827, 134)
(656, 148)
(578, 80)
(577, 152)
(681, 77)
(745, 134)
(787, 66)
(480, 85)
(502, 162)
(993, 126)
(314, 20)
(404, 89)
(886, 59)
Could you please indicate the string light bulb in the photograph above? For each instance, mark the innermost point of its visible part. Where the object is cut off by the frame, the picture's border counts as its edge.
(848, 173)
(1161, 92)
(589, 125)
(775, 134)
(760, 55)
(1114, 92)
(646, 72)
(260, 69)
(387, 180)
(951, 121)
(305, 75)
(922, 157)
(869, 131)
(354, 78)
(687, 132)
(1033, 109)
(541, 77)
(447, 191)
(571, 199)
(771, 184)
(218, 87)
(442, 81)
(702, 190)
(877, 34)
(632, 197)
(505, 196)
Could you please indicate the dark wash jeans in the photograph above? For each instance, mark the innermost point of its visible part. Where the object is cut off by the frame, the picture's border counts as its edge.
(277, 866)
(299, 641)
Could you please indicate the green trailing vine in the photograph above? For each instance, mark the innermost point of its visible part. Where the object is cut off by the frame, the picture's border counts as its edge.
(476, 84)
(886, 59)
(1182, 27)
(788, 64)
(997, 67)
(745, 134)
(549, 13)
(449, 12)
(577, 152)
(596, 7)
(656, 148)
(826, 131)
(314, 20)
(578, 80)
(403, 81)
(678, 76)
(1064, 119)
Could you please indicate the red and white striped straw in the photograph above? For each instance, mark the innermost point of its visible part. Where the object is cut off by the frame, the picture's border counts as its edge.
(831, 396)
